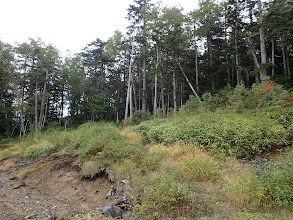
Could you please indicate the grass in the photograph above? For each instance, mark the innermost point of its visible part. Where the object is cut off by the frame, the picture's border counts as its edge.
(189, 170)
(7, 165)
(24, 173)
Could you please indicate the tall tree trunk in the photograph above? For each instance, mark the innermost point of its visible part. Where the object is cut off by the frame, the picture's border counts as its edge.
(130, 102)
(284, 58)
(144, 81)
(188, 82)
(210, 52)
(36, 109)
(129, 88)
(256, 62)
(273, 57)
(238, 74)
(196, 68)
(288, 63)
(262, 40)
(174, 92)
(41, 118)
(162, 95)
(156, 85)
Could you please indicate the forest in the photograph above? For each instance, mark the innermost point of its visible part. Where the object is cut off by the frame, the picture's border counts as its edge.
(165, 56)
(185, 116)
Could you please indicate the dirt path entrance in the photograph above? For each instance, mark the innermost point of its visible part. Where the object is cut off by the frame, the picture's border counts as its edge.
(53, 189)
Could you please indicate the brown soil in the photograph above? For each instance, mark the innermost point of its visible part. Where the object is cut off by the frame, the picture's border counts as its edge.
(53, 189)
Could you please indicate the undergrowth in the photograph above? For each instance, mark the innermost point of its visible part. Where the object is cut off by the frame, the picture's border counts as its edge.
(187, 165)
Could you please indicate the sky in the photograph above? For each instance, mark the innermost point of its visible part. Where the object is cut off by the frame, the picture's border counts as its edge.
(68, 24)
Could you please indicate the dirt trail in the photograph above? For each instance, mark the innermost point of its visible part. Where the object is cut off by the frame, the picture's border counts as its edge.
(52, 190)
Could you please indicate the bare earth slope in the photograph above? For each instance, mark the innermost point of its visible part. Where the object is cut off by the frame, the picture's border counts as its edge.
(54, 188)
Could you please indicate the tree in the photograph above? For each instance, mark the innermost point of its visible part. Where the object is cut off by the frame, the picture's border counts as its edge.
(137, 15)
(6, 88)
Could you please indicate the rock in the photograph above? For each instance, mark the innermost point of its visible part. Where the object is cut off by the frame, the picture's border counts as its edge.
(128, 216)
(123, 188)
(111, 175)
(111, 193)
(122, 194)
(112, 211)
(22, 184)
(73, 213)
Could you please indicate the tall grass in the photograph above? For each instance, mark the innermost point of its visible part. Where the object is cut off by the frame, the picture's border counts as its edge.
(231, 133)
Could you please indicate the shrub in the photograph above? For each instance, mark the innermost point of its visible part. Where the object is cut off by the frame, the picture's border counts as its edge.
(162, 194)
(275, 187)
(270, 93)
(240, 98)
(39, 149)
(229, 133)
(140, 116)
(191, 105)
(208, 101)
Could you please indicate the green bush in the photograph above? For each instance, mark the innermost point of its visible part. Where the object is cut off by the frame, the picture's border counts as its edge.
(140, 116)
(227, 132)
(163, 194)
(36, 151)
(191, 105)
(275, 187)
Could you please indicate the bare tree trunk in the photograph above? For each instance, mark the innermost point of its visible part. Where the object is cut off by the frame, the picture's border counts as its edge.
(209, 38)
(196, 68)
(144, 80)
(256, 62)
(43, 102)
(262, 40)
(273, 57)
(130, 103)
(284, 58)
(238, 74)
(174, 92)
(187, 80)
(129, 97)
(134, 95)
(181, 95)
(156, 85)
(36, 109)
(288, 63)
(162, 95)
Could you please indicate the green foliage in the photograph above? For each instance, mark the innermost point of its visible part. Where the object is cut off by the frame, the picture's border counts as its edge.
(144, 127)
(231, 133)
(140, 116)
(191, 105)
(270, 93)
(240, 98)
(275, 188)
(36, 151)
(280, 115)
(197, 169)
(163, 194)
(208, 101)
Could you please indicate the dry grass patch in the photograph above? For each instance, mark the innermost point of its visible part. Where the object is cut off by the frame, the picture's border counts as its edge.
(239, 185)
(9, 152)
(7, 165)
(133, 137)
(160, 151)
(90, 169)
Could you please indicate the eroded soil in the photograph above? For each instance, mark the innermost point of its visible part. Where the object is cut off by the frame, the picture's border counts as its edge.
(52, 190)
